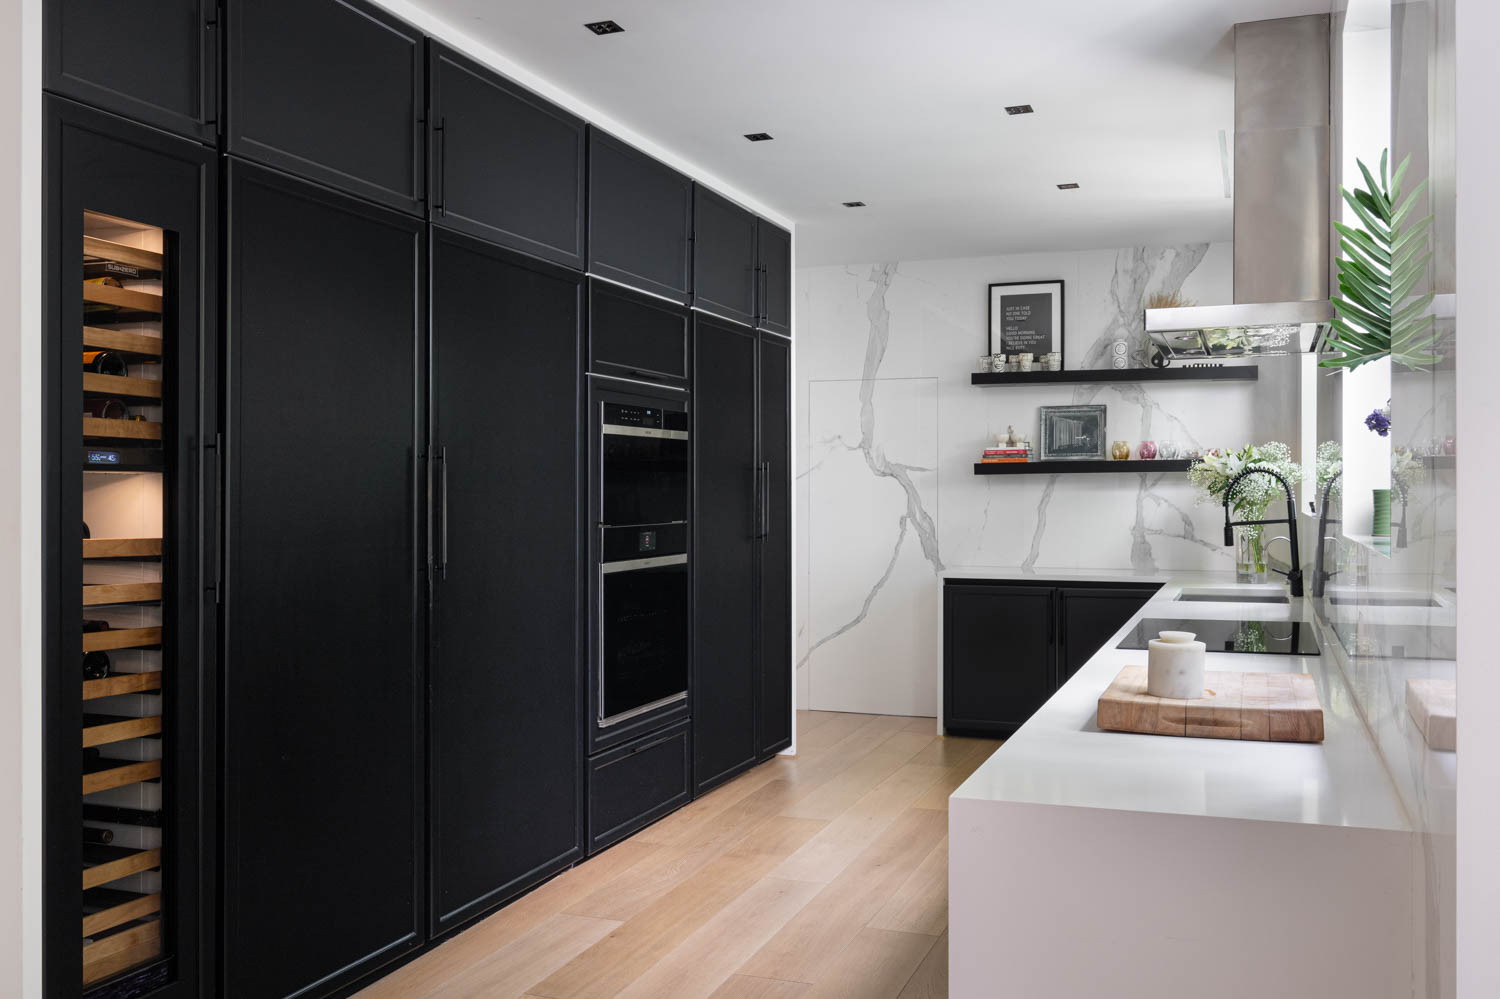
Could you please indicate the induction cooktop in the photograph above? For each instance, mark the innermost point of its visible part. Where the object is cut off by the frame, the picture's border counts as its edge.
(1279, 638)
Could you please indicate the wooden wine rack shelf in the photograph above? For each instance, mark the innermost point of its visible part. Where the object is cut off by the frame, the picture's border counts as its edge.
(129, 343)
(121, 547)
(105, 249)
(128, 906)
(125, 863)
(131, 773)
(122, 950)
(136, 430)
(131, 388)
(122, 638)
(120, 730)
(121, 683)
(99, 594)
(122, 298)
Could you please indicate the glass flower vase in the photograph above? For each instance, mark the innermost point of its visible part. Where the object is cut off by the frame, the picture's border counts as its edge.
(1249, 555)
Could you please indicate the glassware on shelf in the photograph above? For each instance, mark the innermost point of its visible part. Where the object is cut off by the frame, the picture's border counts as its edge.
(1169, 450)
(1119, 451)
(1146, 450)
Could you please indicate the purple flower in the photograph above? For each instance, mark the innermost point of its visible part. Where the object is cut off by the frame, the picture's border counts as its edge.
(1380, 422)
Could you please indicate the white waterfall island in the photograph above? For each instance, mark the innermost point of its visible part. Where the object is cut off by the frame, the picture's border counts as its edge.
(1086, 863)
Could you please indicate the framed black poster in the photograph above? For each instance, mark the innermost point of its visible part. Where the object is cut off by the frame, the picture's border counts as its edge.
(1026, 317)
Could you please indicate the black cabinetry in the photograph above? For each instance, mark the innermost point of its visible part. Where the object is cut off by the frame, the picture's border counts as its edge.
(640, 219)
(636, 336)
(637, 783)
(507, 166)
(741, 599)
(1007, 647)
(156, 63)
(506, 474)
(323, 774)
(775, 251)
(726, 269)
(330, 90)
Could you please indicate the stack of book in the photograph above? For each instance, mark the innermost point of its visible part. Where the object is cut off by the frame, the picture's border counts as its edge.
(993, 455)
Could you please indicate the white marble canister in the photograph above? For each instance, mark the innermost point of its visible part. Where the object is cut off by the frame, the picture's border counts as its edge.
(1174, 665)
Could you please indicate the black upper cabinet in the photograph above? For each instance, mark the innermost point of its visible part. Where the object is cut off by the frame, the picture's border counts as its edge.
(640, 219)
(1090, 616)
(725, 265)
(774, 720)
(636, 336)
(507, 166)
(775, 279)
(330, 90)
(726, 524)
(507, 767)
(323, 742)
(156, 63)
(998, 649)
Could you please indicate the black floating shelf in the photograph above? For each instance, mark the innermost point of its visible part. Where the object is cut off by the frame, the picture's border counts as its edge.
(1238, 373)
(1068, 467)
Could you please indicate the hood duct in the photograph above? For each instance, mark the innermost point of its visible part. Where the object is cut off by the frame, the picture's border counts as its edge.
(1282, 164)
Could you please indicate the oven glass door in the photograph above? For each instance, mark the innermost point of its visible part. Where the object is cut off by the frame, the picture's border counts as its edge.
(644, 640)
(645, 477)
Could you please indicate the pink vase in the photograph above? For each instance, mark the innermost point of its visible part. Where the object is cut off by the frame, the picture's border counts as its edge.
(1147, 450)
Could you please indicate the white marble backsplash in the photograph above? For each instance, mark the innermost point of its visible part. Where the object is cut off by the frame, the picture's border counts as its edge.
(889, 427)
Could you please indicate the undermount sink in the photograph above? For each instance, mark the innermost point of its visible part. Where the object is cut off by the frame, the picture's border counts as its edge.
(1231, 595)
(1385, 601)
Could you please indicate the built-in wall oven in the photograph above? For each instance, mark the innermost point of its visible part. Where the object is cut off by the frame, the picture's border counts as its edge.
(642, 642)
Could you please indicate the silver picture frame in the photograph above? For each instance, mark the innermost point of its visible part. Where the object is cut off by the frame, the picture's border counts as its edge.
(1074, 433)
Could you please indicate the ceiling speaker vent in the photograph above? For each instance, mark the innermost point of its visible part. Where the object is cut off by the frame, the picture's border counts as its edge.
(604, 27)
(854, 204)
(1019, 109)
(1067, 187)
(758, 136)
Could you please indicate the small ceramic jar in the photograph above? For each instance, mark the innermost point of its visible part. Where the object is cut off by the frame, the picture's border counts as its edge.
(1146, 451)
(1024, 362)
(1120, 451)
(986, 365)
(1054, 361)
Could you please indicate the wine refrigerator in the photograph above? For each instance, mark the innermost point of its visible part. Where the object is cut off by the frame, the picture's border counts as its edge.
(129, 558)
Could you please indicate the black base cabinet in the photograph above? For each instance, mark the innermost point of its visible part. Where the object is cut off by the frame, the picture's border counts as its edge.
(505, 660)
(1008, 646)
(637, 783)
(774, 607)
(323, 774)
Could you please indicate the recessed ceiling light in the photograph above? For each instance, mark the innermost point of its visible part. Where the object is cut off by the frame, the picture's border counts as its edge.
(1019, 109)
(854, 204)
(1067, 187)
(758, 136)
(604, 27)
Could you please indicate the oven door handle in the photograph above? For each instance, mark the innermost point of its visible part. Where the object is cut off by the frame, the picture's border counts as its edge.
(637, 564)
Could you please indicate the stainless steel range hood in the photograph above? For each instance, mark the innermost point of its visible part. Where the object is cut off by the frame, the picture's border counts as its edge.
(1282, 155)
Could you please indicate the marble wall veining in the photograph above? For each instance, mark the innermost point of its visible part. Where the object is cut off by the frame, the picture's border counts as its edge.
(889, 427)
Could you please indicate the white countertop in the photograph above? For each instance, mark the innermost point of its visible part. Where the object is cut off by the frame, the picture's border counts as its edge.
(1060, 757)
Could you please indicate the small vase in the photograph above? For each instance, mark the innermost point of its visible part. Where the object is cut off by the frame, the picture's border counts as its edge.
(1249, 555)
(1119, 451)
(1146, 451)
(1380, 523)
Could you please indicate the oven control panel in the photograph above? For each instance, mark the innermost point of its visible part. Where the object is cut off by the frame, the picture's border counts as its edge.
(644, 417)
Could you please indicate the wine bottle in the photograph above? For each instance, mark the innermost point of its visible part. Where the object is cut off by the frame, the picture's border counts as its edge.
(105, 362)
(94, 625)
(106, 409)
(93, 834)
(121, 816)
(95, 665)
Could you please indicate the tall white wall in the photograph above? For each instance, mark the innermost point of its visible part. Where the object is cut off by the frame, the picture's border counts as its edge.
(889, 426)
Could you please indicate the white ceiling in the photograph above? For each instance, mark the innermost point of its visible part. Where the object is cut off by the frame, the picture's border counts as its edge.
(901, 105)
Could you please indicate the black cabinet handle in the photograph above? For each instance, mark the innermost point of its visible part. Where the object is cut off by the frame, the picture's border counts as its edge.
(442, 566)
(218, 484)
(765, 499)
(754, 501)
(442, 166)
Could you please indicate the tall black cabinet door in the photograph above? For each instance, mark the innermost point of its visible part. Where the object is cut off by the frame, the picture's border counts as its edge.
(156, 63)
(725, 266)
(330, 90)
(323, 744)
(640, 219)
(506, 764)
(774, 717)
(507, 166)
(775, 279)
(726, 500)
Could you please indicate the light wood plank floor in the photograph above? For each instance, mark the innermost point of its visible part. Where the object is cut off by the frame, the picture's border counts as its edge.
(823, 875)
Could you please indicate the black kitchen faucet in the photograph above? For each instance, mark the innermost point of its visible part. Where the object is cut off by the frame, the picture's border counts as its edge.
(1294, 574)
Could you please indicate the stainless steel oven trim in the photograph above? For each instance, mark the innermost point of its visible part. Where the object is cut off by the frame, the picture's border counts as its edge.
(633, 712)
(621, 430)
(634, 564)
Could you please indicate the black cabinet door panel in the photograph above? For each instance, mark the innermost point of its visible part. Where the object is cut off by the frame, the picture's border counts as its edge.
(155, 63)
(726, 500)
(637, 783)
(775, 279)
(322, 773)
(507, 165)
(725, 267)
(1090, 616)
(506, 747)
(997, 655)
(636, 336)
(774, 719)
(640, 219)
(330, 90)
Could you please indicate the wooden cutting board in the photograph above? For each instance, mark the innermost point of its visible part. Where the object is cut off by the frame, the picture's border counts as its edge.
(1264, 707)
